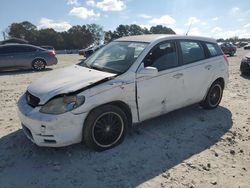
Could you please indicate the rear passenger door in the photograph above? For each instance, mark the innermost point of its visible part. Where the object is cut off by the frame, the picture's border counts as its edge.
(197, 70)
(6, 56)
(23, 56)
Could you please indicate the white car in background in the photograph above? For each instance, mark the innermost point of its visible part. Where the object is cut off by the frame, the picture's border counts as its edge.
(130, 80)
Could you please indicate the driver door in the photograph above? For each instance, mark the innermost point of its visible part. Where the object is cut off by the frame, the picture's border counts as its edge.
(163, 92)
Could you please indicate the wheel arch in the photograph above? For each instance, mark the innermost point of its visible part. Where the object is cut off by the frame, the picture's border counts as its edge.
(120, 104)
(220, 80)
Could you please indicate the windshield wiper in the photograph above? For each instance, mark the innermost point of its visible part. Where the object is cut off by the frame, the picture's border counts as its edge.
(105, 69)
(96, 68)
(83, 64)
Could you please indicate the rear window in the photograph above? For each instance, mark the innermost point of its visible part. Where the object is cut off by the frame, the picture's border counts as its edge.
(192, 51)
(214, 49)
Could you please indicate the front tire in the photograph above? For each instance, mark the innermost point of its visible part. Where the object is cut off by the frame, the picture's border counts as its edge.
(105, 128)
(213, 97)
(38, 64)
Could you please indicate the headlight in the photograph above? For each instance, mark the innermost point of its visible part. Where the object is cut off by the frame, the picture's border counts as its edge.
(62, 104)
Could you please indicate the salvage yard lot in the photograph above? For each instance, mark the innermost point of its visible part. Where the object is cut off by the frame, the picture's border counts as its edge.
(191, 147)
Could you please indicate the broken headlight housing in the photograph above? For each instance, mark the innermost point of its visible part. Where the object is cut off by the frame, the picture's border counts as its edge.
(62, 104)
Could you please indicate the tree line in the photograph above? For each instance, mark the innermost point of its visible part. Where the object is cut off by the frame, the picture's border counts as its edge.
(234, 39)
(78, 37)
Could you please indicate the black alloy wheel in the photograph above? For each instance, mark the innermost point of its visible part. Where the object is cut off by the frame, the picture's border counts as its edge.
(105, 127)
(213, 97)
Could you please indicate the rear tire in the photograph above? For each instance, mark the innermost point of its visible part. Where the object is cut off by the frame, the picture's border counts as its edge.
(38, 64)
(213, 97)
(105, 128)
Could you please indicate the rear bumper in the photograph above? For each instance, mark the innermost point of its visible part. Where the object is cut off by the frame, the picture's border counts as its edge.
(52, 61)
(50, 130)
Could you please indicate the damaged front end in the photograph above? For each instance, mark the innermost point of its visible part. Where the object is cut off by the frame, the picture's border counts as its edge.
(46, 113)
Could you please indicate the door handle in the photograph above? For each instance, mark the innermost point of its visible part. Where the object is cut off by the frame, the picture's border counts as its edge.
(208, 67)
(178, 75)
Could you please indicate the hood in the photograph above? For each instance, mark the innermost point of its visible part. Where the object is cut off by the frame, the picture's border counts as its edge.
(65, 81)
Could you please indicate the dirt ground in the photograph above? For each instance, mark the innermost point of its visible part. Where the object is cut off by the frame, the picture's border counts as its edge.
(190, 147)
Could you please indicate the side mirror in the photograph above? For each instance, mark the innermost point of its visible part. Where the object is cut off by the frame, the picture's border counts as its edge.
(148, 72)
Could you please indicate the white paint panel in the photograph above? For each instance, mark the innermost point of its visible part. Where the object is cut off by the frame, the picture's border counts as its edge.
(160, 94)
(64, 81)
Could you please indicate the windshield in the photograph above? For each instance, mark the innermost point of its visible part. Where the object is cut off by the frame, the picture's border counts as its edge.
(116, 57)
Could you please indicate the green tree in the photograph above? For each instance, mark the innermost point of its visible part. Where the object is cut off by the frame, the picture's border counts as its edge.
(24, 30)
(121, 31)
(108, 36)
(80, 37)
(97, 32)
(220, 40)
(128, 30)
(159, 29)
(136, 30)
(48, 37)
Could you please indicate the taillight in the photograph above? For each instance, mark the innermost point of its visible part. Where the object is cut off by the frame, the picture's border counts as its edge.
(52, 53)
(225, 57)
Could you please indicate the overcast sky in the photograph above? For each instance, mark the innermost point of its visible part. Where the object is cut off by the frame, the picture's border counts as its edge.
(213, 18)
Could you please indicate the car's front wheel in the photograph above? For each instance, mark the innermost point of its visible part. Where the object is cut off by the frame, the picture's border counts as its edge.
(38, 64)
(105, 127)
(214, 96)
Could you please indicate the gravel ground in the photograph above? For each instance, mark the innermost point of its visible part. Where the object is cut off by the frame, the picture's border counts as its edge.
(190, 147)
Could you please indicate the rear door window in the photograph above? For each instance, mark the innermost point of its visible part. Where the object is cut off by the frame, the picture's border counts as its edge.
(24, 49)
(192, 51)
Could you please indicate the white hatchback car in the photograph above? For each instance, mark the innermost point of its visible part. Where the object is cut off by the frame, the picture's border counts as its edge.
(128, 81)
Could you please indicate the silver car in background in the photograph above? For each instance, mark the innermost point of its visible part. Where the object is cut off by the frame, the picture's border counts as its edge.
(26, 56)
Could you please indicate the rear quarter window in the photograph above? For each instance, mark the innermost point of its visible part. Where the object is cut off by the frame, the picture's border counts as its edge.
(213, 49)
(28, 49)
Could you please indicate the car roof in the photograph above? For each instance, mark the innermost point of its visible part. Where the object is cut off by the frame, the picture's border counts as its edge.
(46, 46)
(17, 44)
(154, 37)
